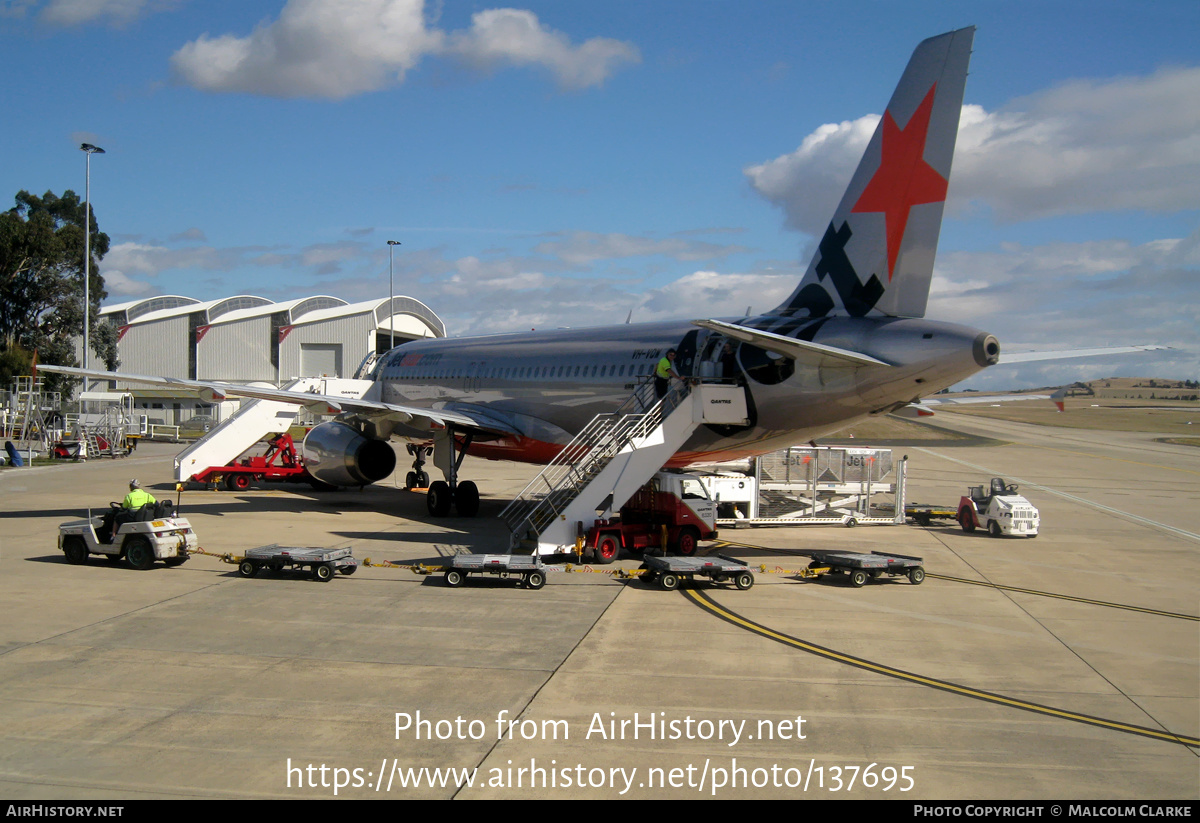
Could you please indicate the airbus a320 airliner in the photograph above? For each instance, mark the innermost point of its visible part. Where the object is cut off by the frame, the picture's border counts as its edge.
(849, 342)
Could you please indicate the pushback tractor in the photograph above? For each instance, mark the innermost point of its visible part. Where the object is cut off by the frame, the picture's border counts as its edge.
(139, 536)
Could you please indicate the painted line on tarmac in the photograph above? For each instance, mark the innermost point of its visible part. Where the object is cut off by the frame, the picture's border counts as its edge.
(711, 606)
(1089, 601)
(1108, 509)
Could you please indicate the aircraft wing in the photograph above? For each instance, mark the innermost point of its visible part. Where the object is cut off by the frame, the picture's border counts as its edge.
(316, 403)
(1036, 356)
(800, 350)
(925, 408)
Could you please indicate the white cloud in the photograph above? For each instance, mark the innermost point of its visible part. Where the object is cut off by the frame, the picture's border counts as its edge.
(118, 285)
(1086, 146)
(337, 48)
(118, 12)
(499, 37)
(583, 247)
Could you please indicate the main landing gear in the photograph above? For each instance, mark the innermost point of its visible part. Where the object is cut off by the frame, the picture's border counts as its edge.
(446, 494)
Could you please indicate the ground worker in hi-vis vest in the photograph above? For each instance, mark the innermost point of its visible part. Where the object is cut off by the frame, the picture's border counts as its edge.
(137, 497)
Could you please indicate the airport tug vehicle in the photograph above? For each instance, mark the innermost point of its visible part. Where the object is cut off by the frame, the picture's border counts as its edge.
(141, 536)
(999, 509)
(673, 511)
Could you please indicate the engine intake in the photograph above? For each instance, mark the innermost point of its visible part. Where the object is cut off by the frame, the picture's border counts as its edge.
(340, 455)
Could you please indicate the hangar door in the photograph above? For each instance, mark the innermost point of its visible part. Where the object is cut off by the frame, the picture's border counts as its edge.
(320, 359)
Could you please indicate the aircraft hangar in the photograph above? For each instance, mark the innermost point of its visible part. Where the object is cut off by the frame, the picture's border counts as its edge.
(246, 338)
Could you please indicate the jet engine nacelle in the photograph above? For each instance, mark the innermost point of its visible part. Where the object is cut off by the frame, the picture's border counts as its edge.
(340, 455)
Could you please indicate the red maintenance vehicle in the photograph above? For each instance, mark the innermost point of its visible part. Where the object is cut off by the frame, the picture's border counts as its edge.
(673, 511)
(281, 462)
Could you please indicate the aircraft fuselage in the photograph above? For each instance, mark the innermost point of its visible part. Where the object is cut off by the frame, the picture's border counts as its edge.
(547, 385)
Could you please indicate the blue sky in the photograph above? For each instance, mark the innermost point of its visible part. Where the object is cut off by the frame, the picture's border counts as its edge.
(566, 163)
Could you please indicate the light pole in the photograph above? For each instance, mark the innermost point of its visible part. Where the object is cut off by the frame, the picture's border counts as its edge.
(391, 311)
(89, 150)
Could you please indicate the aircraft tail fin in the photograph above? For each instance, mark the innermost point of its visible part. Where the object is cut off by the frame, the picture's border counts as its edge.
(876, 256)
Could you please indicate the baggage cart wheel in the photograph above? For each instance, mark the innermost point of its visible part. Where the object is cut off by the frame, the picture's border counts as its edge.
(649, 577)
(535, 580)
(75, 550)
(138, 553)
(668, 581)
(323, 572)
(348, 570)
(916, 576)
(744, 580)
(247, 568)
(851, 523)
(858, 578)
(454, 578)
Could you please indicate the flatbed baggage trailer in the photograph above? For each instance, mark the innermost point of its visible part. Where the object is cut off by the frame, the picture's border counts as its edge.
(668, 572)
(863, 567)
(529, 569)
(323, 563)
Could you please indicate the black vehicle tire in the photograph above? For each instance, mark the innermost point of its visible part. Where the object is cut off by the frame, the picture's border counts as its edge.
(455, 578)
(75, 550)
(649, 577)
(239, 482)
(851, 523)
(858, 578)
(535, 580)
(668, 582)
(410, 481)
(466, 499)
(348, 570)
(916, 576)
(607, 550)
(138, 553)
(438, 499)
(113, 558)
(247, 568)
(994, 529)
(687, 542)
(323, 572)
(422, 480)
(966, 520)
(744, 580)
(177, 560)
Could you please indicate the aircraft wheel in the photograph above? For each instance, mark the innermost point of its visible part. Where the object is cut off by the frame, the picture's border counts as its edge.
(438, 499)
(410, 480)
(75, 550)
(535, 580)
(744, 580)
(607, 550)
(858, 578)
(466, 499)
(668, 581)
(247, 568)
(688, 542)
(422, 480)
(966, 520)
(916, 576)
(455, 578)
(323, 572)
(994, 529)
(138, 553)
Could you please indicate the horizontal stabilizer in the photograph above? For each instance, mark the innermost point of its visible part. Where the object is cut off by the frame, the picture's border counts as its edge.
(1038, 356)
(799, 350)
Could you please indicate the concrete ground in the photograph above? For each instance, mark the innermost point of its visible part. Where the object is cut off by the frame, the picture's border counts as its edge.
(195, 682)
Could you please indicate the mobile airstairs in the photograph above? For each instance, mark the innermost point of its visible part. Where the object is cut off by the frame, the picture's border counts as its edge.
(614, 456)
(255, 420)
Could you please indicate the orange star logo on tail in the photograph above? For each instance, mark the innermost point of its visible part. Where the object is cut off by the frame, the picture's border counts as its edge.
(903, 179)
